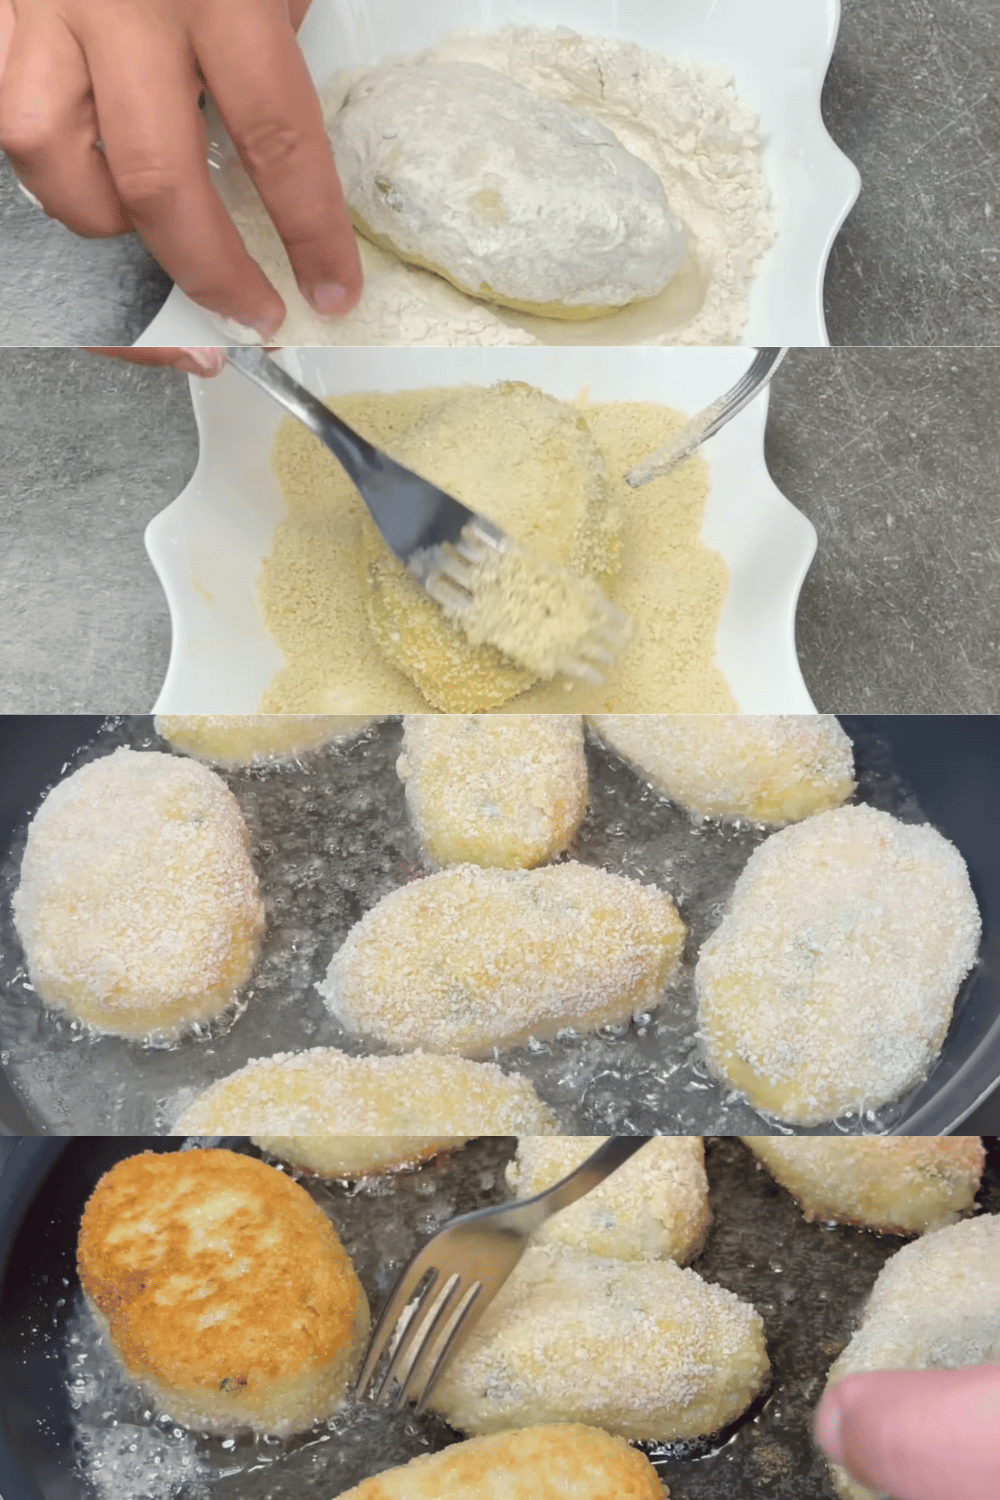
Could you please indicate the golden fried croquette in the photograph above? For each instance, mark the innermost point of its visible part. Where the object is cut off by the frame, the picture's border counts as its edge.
(655, 1207)
(342, 1116)
(547, 489)
(830, 984)
(644, 1349)
(773, 768)
(471, 959)
(565, 1462)
(934, 1306)
(225, 1290)
(895, 1184)
(138, 906)
(231, 740)
(507, 791)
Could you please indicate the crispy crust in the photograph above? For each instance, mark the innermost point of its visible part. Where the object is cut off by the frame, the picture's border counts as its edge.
(224, 1286)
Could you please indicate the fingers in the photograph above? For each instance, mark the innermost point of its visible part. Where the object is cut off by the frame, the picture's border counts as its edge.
(154, 142)
(270, 108)
(297, 12)
(917, 1434)
(48, 129)
(203, 361)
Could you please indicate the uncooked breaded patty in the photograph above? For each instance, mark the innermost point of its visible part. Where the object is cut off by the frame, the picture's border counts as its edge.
(255, 739)
(896, 1184)
(530, 464)
(934, 1306)
(773, 768)
(643, 1349)
(138, 906)
(654, 1207)
(470, 959)
(346, 1116)
(830, 984)
(565, 1462)
(501, 791)
(225, 1289)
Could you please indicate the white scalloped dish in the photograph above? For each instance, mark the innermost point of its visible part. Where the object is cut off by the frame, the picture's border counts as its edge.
(208, 545)
(776, 51)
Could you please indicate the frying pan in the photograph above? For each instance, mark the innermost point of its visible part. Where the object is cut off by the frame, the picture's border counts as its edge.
(951, 765)
(808, 1281)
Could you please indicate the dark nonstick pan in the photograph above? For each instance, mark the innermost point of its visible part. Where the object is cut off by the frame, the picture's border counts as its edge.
(809, 1283)
(944, 768)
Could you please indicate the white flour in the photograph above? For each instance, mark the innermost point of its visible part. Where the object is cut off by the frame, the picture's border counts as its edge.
(685, 122)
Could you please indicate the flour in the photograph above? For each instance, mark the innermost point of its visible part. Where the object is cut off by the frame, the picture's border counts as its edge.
(686, 123)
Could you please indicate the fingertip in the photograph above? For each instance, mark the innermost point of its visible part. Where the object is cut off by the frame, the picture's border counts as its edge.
(828, 1425)
(202, 360)
(333, 299)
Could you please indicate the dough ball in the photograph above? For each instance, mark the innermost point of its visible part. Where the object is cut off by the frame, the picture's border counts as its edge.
(513, 197)
(655, 1207)
(934, 1306)
(224, 1289)
(773, 768)
(138, 906)
(470, 959)
(231, 740)
(643, 1349)
(394, 1111)
(895, 1184)
(534, 469)
(830, 984)
(505, 791)
(565, 1462)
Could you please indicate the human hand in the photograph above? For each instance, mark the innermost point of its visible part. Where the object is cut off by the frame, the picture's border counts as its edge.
(129, 73)
(917, 1434)
(195, 361)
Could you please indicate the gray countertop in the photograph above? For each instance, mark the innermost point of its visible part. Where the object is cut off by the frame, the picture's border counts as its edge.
(913, 97)
(894, 454)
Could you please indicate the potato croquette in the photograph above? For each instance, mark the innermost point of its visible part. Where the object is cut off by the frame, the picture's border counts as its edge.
(470, 959)
(565, 1462)
(509, 792)
(644, 1349)
(655, 1207)
(895, 1184)
(232, 740)
(934, 1306)
(830, 984)
(224, 1289)
(138, 906)
(535, 471)
(296, 1105)
(775, 768)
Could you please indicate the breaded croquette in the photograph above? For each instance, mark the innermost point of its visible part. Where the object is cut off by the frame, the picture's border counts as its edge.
(773, 768)
(538, 474)
(565, 1462)
(830, 984)
(225, 1290)
(231, 740)
(655, 1207)
(486, 790)
(471, 959)
(934, 1306)
(895, 1184)
(644, 1349)
(138, 906)
(342, 1116)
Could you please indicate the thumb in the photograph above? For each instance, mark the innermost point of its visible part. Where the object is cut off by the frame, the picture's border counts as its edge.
(917, 1434)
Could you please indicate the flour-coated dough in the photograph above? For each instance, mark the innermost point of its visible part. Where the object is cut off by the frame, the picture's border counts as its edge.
(231, 740)
(513, 197)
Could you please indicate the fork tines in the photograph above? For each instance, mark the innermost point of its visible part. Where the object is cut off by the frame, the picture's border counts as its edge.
(418, 1336)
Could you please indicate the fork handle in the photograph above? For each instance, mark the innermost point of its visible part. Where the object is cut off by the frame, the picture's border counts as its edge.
(589, 1174)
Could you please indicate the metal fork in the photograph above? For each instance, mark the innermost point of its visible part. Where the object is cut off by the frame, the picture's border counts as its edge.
(455, 1277)
(708, 422)
(445, 545)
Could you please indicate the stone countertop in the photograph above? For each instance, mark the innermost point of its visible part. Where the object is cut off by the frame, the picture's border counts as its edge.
(894, 454)
(913, 97)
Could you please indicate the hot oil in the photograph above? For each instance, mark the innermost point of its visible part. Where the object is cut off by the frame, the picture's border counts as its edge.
(330, 837)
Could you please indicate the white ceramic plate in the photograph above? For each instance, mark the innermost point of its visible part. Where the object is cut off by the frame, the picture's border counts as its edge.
(778, 52)
(208, 544)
